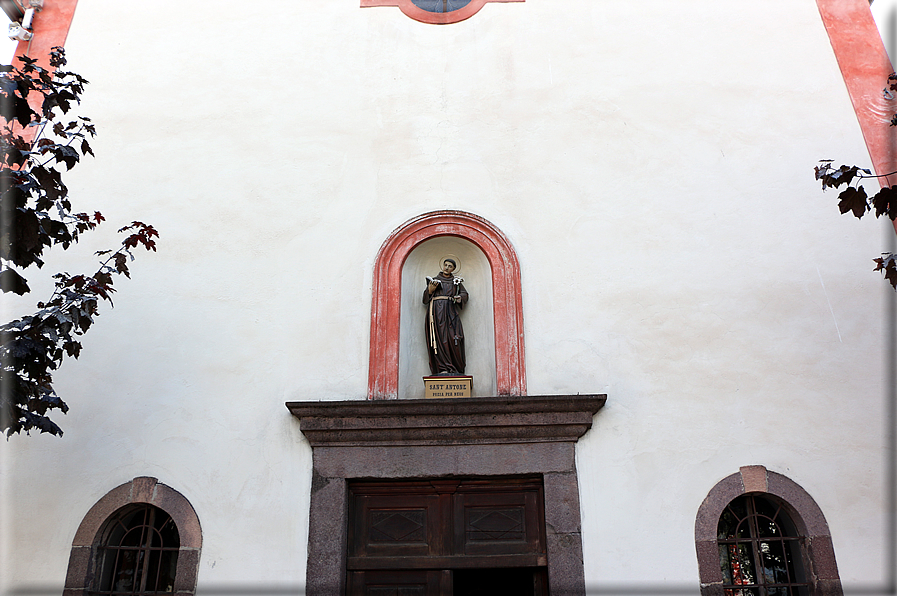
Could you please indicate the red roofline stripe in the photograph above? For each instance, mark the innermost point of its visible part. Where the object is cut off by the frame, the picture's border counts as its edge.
(865, 67)
(51, 28)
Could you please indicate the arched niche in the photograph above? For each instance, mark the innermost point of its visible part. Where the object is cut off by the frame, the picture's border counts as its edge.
(476, 315)
(386, 303)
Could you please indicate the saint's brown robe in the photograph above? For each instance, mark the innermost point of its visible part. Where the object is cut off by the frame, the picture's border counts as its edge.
(447, 356)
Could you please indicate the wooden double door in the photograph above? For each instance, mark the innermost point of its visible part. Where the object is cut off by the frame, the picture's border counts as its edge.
(446, 537)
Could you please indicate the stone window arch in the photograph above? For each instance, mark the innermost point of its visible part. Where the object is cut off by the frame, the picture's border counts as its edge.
(140, 506)
(510, 366)
(755, 484)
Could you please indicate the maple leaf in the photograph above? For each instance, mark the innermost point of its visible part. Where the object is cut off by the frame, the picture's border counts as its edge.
(11, 281)
(887, 264)
(853, 199)
(885, 202)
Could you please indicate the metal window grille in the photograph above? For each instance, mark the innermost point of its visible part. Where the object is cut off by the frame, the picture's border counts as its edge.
(139, 553)
(760, 552)
(441, 5)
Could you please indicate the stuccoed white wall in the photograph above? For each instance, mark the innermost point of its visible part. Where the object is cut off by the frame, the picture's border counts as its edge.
(649, 160)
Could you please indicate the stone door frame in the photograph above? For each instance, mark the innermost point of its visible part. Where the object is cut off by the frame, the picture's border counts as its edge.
(462, 437)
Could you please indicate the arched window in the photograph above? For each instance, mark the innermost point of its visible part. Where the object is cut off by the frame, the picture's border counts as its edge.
(142, 537)
(440, 5)
(138, 553)
(759, 549)
(759, 533)
(436, 12)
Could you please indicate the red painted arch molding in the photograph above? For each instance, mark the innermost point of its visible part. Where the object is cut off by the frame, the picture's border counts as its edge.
(433, 18)
(510, 367)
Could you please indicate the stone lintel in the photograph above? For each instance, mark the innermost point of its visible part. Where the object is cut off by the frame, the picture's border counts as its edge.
(448, 421)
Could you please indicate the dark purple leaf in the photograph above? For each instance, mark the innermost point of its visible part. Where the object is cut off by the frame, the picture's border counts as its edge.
(11, 281)
(853, 199)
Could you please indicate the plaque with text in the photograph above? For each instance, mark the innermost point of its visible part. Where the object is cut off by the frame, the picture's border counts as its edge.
(448, 386)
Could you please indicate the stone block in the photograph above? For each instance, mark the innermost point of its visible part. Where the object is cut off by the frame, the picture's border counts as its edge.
(79, 567)
(822, 553)
(721, 495)
(409, 461)
(188, 568)
(142, 489)
(95, 518)
(561, 503)
(180, 510)
(566, 575)
(327, 536)
(754, 479)
(708, 561)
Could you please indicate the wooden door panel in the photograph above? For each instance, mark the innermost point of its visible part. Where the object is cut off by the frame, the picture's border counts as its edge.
(497, 524)
(399, 526)
(410, 538)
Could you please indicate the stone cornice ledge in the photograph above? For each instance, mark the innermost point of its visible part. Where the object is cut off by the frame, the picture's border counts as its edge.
(450, 421)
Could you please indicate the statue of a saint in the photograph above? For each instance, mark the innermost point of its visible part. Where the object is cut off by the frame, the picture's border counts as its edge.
(445, 296)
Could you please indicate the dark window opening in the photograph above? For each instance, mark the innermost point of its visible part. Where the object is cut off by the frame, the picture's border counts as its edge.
(440, 5)
(499, 582)
(138, 554)
(760, 551)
